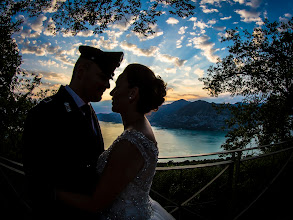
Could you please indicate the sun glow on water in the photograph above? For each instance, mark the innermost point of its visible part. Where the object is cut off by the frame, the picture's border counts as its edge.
(173, 142)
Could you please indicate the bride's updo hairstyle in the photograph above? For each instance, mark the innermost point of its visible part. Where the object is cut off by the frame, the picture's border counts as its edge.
(152, 89)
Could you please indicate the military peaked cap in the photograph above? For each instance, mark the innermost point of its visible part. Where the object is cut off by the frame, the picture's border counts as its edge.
(107, 61)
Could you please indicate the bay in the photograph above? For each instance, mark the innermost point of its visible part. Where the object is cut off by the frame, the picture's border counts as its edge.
(173, 142)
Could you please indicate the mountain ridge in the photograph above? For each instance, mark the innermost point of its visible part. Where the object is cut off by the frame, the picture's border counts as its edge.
(182, 114)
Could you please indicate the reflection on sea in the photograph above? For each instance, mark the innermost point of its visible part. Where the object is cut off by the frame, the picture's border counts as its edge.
(173, 142)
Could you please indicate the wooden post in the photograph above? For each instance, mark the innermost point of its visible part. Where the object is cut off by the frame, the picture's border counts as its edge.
(237, 168)
(180, 209)
(236, 179)
(233, 178)
(231, 174)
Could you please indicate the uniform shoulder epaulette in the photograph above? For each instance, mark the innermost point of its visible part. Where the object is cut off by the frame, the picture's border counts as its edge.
(46, 100)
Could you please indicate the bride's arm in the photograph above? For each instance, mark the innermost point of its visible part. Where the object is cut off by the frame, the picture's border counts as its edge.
(124, 163)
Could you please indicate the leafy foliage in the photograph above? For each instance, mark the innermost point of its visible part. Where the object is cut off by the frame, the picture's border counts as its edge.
(79, 15)
(17, 88)
(260, 68)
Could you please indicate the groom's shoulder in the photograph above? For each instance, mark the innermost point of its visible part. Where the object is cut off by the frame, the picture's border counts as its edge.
(56, 99)
(48, 102)
(55, 106)
(48, 105)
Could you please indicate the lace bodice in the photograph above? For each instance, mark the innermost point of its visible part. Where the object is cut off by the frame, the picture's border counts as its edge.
(134, 200)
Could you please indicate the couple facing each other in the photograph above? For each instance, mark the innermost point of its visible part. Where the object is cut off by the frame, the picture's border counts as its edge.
(69, 173)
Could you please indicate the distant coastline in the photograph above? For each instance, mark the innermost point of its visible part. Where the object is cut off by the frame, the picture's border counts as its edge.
(173, 142)
(182, 114)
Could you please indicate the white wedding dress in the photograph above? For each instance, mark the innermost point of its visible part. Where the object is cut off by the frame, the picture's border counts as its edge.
(134, 201)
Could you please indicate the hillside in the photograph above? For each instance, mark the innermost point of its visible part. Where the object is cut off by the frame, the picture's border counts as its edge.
(182, 114)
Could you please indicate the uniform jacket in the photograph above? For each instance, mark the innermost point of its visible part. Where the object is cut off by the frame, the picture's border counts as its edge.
(60, 151)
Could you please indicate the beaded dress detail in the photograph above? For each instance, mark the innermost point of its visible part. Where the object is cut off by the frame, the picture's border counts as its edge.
(134, 201)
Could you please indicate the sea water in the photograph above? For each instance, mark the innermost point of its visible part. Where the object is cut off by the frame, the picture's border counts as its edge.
(173, 142)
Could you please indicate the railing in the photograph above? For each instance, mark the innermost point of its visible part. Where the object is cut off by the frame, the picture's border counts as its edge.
(231, 165)
(12, 165)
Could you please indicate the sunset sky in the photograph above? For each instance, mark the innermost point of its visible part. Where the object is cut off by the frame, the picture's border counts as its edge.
(180, 52)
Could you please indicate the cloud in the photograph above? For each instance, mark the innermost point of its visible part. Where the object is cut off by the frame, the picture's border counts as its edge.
(27, 33)
(240, 1)
(184, 88)
(182, 30)
(52, 8)
(254, 3)
(49, 63)
(224, 35)
(198, 24)
(53, 76)
(152, 51)
(251, 3)
(31, 28)
(207, 11)
(171, 70)
(179, 42)
(49, 24)
(187, 68)
(286, 17)
(196, 57)
(157, 33)
(66, 60)
(38, 50)
(203, 43)
(170, 59)
(226, 18)
(212, 2)
(220, 28)
(44, 49)
(250, 16)
(172, 21)
(37, 24)
(124, 23)
(103, 43)
(50, 79)
(199, 72)
(213, 21)
(50, 86)
(107, 44)
(71, 52)
(87, 33)
(66, 34)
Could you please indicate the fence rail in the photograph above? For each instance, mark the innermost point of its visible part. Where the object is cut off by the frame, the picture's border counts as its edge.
(12, 165)
(232, 164)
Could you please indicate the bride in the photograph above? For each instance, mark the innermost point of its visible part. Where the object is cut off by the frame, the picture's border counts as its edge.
(127, 168)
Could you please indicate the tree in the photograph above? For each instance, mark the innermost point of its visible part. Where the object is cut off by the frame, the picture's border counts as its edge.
(17, 88)
(80, 15)
(259, 67)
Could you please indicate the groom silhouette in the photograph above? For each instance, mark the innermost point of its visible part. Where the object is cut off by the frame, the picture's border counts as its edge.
(62, 137)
